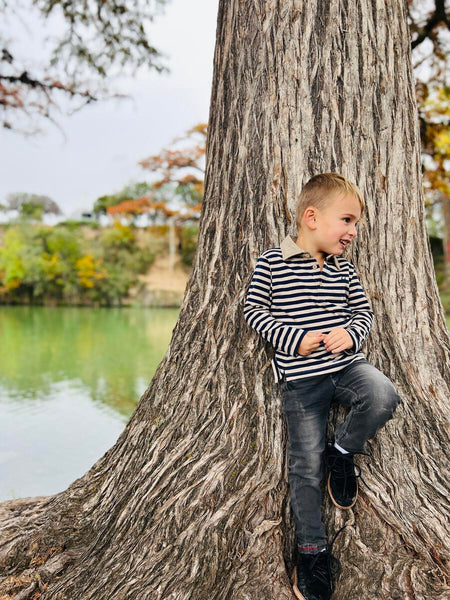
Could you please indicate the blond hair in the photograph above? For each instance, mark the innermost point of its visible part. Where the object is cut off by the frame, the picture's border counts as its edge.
(321, 190)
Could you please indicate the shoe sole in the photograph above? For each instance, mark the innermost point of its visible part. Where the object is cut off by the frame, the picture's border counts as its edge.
(334, 501)
(295, 589)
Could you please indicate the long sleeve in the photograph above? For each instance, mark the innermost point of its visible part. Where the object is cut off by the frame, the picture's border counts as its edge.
(257, 314)
(362, 315)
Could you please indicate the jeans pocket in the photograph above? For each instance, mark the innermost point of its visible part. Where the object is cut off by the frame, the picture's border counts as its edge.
(288, 386)
(296, 385)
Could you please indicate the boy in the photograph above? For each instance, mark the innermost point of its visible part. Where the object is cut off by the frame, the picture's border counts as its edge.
(307, 301)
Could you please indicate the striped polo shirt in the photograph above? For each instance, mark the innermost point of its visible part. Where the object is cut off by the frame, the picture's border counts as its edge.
(290, 295)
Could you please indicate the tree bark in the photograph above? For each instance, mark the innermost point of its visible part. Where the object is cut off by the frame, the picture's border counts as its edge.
(192, 501)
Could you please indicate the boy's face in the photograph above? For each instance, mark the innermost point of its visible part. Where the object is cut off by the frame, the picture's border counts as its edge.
(336, 224)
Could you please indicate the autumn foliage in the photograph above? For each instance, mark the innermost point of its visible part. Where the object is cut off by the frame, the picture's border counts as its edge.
(171, 164)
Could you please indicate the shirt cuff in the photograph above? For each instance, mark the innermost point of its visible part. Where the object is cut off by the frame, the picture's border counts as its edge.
(356, 346)
(295, 342)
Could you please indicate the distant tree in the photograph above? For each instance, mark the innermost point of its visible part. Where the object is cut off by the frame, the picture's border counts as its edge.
(154, 199)
(132, 191)
(97, 39)
(182, 166)
(132, 209)
(31, 207)
(31, 211)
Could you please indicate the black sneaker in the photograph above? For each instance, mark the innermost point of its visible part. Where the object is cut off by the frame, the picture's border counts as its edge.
(313, 575)
(342, 484)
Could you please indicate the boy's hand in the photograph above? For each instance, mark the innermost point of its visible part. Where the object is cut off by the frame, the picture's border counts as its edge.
(337, 340)
(310, 342)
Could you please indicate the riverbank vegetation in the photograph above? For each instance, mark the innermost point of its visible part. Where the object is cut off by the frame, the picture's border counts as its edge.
(69, 264)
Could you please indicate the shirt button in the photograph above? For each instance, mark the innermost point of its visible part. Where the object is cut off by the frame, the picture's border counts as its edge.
(314, 266)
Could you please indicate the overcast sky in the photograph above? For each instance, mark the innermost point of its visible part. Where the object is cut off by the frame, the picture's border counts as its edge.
(104, 142)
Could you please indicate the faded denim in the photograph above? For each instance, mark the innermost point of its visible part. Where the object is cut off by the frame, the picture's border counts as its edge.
(372, 400)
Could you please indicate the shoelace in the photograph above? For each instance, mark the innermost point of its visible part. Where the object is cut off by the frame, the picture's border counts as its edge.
(324, 564)
(346, 464)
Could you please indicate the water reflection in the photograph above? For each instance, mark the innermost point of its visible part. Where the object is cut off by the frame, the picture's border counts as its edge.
(70, 378)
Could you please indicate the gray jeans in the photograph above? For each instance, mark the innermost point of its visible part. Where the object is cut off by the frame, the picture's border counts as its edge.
(372, 400)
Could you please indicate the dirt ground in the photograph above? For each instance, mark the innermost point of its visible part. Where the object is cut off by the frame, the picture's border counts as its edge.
(163, 285)
(164, 276)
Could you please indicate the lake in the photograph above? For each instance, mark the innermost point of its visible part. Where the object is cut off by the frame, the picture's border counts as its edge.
(70, 378)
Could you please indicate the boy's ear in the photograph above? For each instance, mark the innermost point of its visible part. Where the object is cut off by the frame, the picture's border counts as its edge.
(309, 217)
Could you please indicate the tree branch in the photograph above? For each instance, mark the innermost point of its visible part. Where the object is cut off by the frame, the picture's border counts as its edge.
(437, 17)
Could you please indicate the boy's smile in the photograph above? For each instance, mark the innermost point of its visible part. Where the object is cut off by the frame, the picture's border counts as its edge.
(330, 230)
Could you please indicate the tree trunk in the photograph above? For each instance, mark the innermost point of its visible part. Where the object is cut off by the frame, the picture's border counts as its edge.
(192, 501)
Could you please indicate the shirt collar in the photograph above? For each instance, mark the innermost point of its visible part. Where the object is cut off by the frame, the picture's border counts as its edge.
(289, 248)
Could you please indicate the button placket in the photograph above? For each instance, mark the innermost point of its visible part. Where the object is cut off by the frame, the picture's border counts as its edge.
(321, 274)
(315, 268)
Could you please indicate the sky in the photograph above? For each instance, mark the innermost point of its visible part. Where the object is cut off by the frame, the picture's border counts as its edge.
(102, 143)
